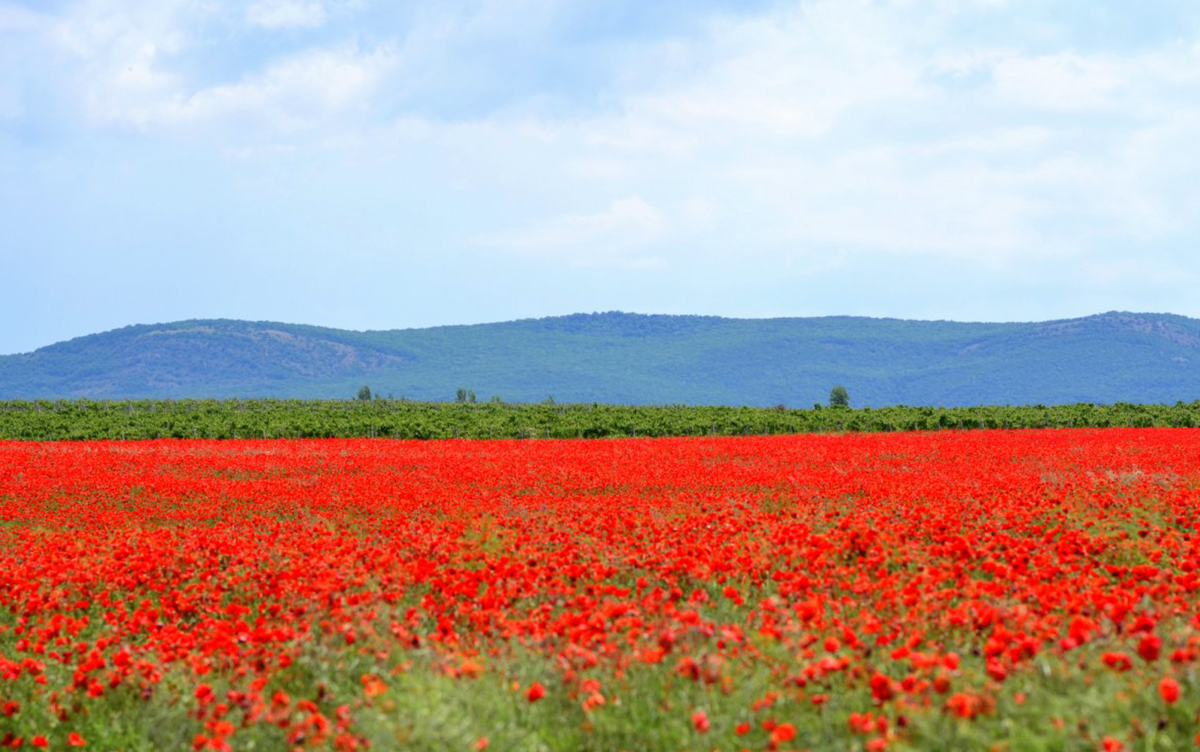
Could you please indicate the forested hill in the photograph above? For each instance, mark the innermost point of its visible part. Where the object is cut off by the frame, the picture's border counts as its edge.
(636, 359)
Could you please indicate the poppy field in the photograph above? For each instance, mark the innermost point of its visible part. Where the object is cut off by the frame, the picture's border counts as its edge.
(952, 590)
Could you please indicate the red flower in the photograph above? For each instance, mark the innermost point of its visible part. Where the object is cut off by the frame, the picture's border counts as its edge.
(1149, 647)
(1117, 661)
(964, 705)
(881, 687)
(536, 692)
(1168, 689)
(784, 732)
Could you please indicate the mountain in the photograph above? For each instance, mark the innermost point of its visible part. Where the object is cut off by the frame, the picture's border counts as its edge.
(631, 358)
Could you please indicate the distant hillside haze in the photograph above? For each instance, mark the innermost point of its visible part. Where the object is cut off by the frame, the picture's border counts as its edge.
(636, 359)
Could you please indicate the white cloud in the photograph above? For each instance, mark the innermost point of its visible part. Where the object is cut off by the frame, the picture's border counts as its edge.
(788, 75)
(141, 66)
(1065, 81)
(311, 84)
(109, 33)
(613, 237)
(119, 50)
(817, 127)
(292, 94)
(278, 14)
(823, 125)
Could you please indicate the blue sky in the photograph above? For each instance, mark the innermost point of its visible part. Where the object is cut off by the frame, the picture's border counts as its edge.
(370, 164)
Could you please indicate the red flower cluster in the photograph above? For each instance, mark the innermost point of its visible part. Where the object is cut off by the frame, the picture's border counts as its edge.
(874, 561)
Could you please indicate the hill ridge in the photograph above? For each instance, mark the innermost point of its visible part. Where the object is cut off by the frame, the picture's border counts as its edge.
(616, 356)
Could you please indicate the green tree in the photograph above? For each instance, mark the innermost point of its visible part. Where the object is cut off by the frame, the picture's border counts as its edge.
(839, 397)
(364, 393)
(461, 395)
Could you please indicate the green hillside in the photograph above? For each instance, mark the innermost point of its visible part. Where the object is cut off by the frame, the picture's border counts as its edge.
(636, 359)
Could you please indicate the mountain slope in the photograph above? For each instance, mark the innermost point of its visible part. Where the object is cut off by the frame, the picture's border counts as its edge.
(630, 358)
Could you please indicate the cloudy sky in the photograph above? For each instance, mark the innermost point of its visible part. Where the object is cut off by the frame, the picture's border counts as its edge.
(373, 164)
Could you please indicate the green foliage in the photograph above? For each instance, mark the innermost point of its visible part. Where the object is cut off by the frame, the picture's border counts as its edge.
(839, 397)
(43, 420)
(364, 393)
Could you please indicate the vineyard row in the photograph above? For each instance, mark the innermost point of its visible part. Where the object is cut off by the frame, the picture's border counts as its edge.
(54, 420)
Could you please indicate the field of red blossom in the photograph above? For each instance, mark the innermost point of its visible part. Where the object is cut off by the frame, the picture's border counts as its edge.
(1005, 590)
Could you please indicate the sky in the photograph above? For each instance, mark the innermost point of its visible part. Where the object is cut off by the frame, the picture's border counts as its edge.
(373, 164)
